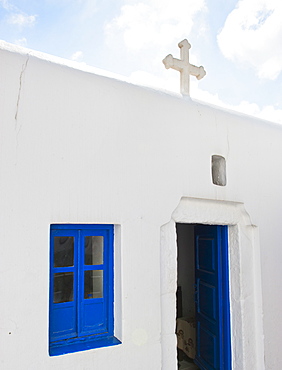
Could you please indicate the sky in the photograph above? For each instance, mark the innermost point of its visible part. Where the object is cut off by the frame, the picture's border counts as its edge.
(239, 43)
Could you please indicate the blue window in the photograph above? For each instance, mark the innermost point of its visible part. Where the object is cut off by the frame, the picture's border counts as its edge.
(81, 288)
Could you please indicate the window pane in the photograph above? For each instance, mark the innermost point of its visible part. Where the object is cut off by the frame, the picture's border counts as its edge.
(63, 251)
(63, 287)
(93, 284)
(93, 250)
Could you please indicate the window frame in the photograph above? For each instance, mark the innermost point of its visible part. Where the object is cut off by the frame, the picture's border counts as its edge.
(79, 338)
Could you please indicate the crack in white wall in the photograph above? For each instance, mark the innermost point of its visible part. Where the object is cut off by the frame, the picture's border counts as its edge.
(20, 87)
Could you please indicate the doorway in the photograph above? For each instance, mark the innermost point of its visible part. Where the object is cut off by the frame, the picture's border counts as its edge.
(203, 309)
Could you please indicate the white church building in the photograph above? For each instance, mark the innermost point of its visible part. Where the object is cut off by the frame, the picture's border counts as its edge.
(140, 230)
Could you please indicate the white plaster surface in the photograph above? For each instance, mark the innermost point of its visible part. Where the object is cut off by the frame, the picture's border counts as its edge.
(82, 148)
(245, 277)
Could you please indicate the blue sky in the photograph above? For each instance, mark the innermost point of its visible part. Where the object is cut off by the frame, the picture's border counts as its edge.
(238, 42)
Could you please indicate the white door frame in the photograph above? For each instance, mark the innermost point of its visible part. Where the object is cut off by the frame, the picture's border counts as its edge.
(247, 346)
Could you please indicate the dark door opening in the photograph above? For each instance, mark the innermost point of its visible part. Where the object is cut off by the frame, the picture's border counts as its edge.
(203, 310)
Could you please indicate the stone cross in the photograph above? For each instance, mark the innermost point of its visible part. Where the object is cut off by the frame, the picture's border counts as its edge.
(184, 67)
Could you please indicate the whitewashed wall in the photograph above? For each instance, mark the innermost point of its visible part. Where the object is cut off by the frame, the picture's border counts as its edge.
(81, 148)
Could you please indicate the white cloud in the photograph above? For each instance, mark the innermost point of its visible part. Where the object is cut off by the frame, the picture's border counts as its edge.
(6, 5)
(21, 19)
(169, 83)
(154, 23)
(16, 16)
(268, 112)
(252, 35)
(21, 42)
(78, 55)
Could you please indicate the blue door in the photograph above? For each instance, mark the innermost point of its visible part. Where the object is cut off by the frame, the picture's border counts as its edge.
(212, 298)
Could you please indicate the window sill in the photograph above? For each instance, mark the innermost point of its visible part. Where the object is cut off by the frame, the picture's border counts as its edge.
(64, 347)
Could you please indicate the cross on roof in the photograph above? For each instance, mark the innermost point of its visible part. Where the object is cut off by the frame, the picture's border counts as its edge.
(184, 67)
